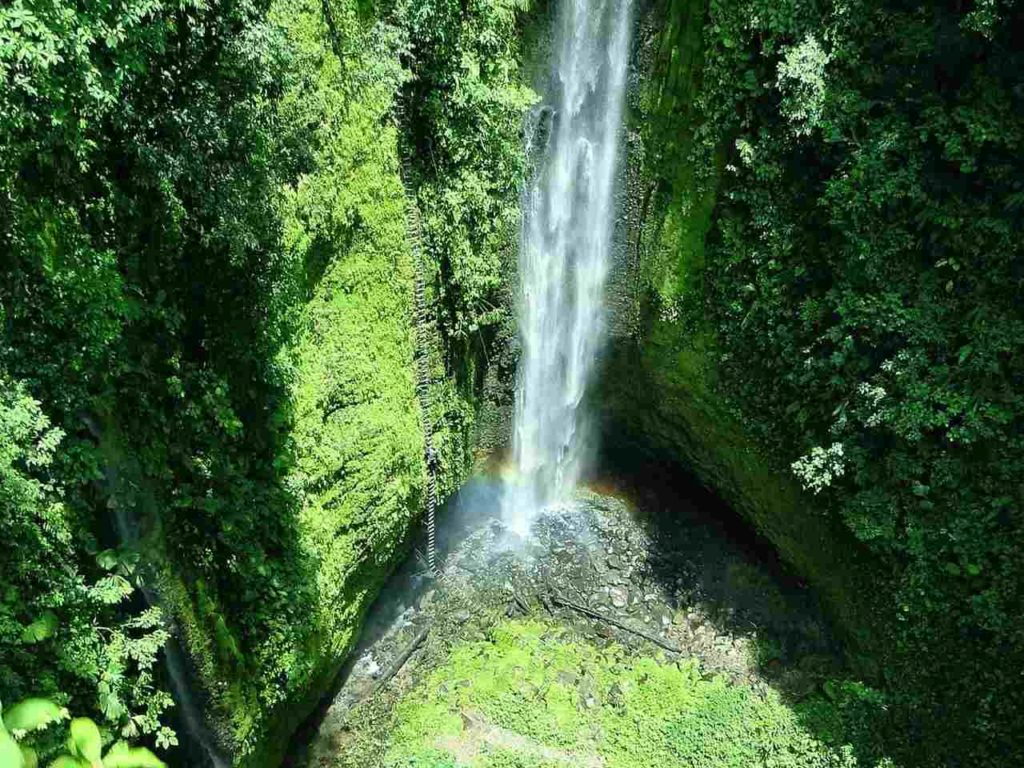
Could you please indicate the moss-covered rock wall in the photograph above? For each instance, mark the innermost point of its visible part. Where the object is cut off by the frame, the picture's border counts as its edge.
(660, 389)
(359, 114)
(206, 321)
(824, 247)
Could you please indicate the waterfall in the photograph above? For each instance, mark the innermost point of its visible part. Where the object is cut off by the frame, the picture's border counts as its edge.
(126, 523)
(174, 660)
(565, 251)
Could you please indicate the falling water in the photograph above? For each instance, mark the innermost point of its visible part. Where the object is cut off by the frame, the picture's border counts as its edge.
(127, 527)
(565, 253)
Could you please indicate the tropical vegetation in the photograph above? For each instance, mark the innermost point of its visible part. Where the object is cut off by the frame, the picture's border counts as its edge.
(209, 427)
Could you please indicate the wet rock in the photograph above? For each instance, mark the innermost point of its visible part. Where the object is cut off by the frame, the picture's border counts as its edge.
(368, 666)
(619, 596)
(588, 692)
(815, 665)
(798, 685)
(615, 697)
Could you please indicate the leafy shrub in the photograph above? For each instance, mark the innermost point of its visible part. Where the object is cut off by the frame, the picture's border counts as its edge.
(84, 745)
(861, 277)
(63, 631)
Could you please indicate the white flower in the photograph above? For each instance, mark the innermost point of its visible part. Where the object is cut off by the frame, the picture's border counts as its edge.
(874, 395)
(820, 467)
(802, 82)
(746, 150)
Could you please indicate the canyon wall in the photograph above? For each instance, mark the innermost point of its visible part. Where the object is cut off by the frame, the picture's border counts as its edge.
(660, 390)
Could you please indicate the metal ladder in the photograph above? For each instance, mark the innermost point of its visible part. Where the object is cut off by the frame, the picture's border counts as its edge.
(421, 317)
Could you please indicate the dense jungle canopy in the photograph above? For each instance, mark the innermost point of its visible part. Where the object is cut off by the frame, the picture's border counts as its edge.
(211, 446)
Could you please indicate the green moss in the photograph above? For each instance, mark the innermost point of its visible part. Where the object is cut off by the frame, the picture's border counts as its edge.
(357, 432)
(687, 420)
(674, 355)
(528, 695)
(678, 197)
(357, 441)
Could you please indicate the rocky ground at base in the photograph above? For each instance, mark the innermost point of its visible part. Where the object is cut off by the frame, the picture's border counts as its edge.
(665, 582)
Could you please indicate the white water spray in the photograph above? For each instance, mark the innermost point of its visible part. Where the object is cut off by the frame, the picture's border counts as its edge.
(564, 258)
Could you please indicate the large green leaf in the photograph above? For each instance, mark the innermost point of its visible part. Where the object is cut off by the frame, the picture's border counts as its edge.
(41, 628)
(67, 761)
(29, 757)
(85, 739)
(123, 756)
(10, 752)
(107, 559)
(32, 714)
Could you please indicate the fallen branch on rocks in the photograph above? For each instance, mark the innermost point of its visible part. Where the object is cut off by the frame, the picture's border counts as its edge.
(467, 569)
(402, 658)
(546, 602)
(558, 600)
(517, 604)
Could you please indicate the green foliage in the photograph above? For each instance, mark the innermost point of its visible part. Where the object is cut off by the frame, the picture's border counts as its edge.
(465, 107)
(85, 748)
(85, 740)
(52, 602)
(121, 755)
(31, 715)
(41, 629)
(19, 721)
(11, 754)
(84, 743)
(205, 303)
(529, 696)
(860, 278)
(134, 182)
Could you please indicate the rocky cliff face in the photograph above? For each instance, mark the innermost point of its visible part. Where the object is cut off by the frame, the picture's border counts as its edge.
(356, 470)
(659, 391)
